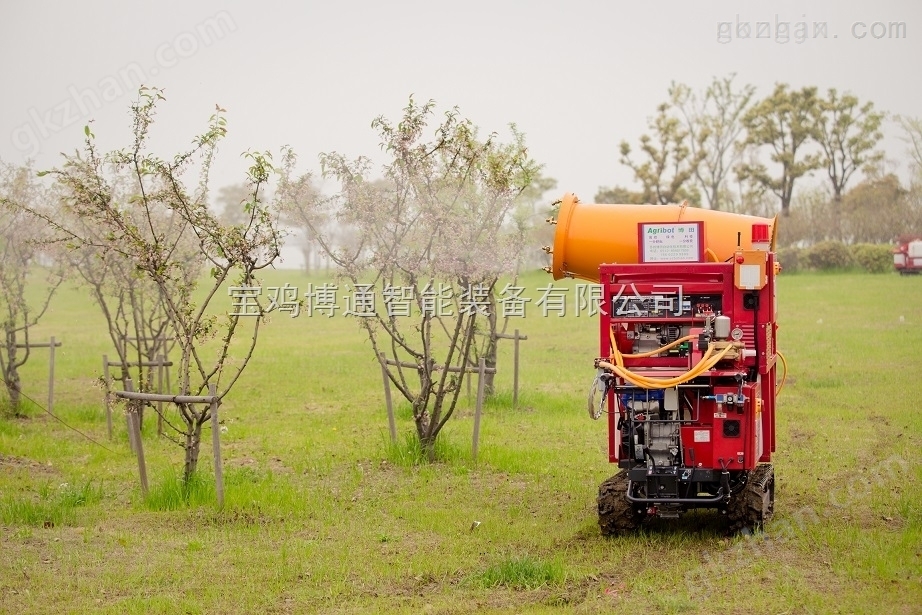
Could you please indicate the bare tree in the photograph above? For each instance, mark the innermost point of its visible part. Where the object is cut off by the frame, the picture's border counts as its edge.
(528, 218)
(877, 211)
(715, 128)
(131, 303)
(808, 222)
(848, 135)
(133, 308)
(619, 195)
(431, 238)
(785, 123)
(912, 134)
(307, 208)
(133, 229)
(670, 160)
(528, 227)
(231, 201)
(21, 257)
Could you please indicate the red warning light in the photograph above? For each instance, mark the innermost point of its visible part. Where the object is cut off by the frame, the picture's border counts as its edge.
(761, 233)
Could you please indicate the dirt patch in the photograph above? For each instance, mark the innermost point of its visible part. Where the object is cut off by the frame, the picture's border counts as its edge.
(799, 436)
(21, 463)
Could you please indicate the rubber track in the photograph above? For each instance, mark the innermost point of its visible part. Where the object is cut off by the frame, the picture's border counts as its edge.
(753, 506)
(616, 515)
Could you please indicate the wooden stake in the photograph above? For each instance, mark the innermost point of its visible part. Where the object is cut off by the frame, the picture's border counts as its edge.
(160, 359)
(515, 370)
(216, 444)
(391, 423)
(516, 338)
(135, 428)
(480, 384)
(51, 376)
(107, 400)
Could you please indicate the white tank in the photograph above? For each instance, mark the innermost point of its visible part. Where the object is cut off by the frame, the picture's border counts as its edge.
(722, 327)
(914, 249)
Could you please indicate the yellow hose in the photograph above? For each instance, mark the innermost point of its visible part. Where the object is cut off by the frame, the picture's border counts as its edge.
(784, 376)
(707, 362)
(650, 353)
(646, 382)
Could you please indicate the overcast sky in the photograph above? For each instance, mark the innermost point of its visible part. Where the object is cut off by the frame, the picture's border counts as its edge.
(576, 76)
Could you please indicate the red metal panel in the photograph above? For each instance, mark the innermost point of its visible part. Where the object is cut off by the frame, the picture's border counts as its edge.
(759, 334)
(697, 445)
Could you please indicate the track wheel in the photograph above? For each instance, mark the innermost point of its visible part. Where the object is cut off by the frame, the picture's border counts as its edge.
(616, 515)
(753, 506)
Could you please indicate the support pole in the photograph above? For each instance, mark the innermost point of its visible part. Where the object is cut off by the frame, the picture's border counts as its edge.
(482, 368)
(107, 400)
(387, 398)
(515, 369)
(216, 444)
(129, 386)
(516, 338)
(161, 359)
(135, 427)
(51, 376)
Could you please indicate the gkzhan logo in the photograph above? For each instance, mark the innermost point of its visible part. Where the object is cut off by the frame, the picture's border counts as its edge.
(783, 31)
(80, 104)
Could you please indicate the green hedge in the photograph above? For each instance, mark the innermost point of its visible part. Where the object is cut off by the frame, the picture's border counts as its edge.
(833, 255)
(828, 255)
(873, 258)
(790, 259)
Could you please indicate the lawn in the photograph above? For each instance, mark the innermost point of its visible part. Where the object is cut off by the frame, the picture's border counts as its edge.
(323, 514)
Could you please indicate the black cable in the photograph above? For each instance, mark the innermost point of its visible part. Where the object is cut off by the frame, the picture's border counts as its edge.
(60, 420)
(755, 332)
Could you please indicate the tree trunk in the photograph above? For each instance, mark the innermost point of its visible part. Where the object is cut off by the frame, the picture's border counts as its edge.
(489, 357)
(11, 375)
(424, 428)
(427, 445)
(193, 443)
(837, 215)
(14, 389)
(489, 353)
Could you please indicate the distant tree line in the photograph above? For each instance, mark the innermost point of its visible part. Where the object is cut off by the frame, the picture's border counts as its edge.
(723, 148)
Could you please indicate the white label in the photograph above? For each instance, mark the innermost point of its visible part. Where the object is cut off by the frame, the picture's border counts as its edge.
(671, 242)
(720, 415)
(749, 276)
(702, 435)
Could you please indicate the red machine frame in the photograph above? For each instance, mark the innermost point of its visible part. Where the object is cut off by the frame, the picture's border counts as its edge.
(751, 310)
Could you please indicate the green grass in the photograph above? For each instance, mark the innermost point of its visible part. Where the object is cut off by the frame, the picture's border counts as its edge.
(49, 506)
(522, 572)
(407, 450)
(172, 493)
(324, 514)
